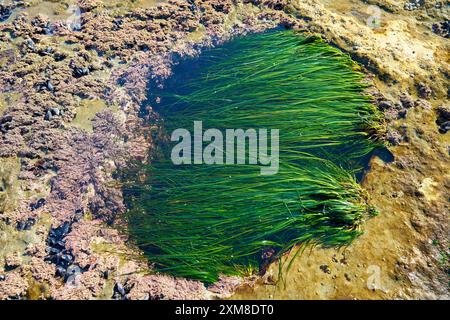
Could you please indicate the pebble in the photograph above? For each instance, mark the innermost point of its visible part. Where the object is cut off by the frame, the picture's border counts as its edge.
(325, 268)
(48, 115)
(443, 120)
(60, 272)
(424, 90)
(413, 5)
(71, 280)
(79, 72)
(73, 270)
(385, 105)
(26, 225)
(119, 289)
(50, 86)
(406, 101)
(30, 44)
(402, 114)
(442, 28)
(445, 127)
(47, 51)
(55, 111)
(5, 12)
(6, 119)
(37, 204)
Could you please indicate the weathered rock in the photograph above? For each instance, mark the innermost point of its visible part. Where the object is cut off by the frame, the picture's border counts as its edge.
(48, 115)
(406, 101)
(26, 224)
(13, 286)
(443, 120)
(385, 105)
(6, 119)
(442, 28)
(137, 46)
(12, 261)
(424, 90)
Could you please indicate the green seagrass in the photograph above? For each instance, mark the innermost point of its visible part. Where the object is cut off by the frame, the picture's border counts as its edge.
(200, 221)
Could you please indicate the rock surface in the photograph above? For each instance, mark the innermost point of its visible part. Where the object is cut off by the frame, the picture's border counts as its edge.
(61, 206)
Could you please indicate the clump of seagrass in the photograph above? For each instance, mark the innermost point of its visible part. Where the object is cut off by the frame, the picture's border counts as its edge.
(200, 221)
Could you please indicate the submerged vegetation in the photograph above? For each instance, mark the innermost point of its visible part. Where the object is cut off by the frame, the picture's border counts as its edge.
(200, 221)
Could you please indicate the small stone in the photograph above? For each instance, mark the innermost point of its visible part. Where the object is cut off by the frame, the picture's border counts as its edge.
(325, 268)
(54, 251)
(71, 280)
(80, 72)
(26, 225)
(402, 114)
(60, 272)
(48, 115)
(445, 127)
(406, 101)
(37, 204)
(50, 86)
(444, 113)
(119, 288)
(73, 270)
(424, 90)
(30, 44)
(6, 119)
(55, 111)
(67, 257)
(5, 12)
(29, 223)
(385, 104)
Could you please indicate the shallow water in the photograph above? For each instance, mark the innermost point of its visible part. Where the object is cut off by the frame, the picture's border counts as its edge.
(197, 221)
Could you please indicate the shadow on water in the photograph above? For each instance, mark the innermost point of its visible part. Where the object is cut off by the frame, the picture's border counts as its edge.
(383, 153)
